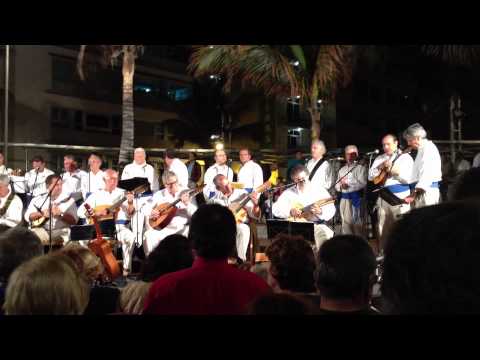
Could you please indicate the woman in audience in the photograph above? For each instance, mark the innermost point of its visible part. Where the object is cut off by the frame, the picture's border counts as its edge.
(47, 285)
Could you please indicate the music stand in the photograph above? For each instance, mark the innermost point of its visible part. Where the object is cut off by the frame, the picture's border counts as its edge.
(389, 197)
(304, 229)
(87, 232)
(133, 183)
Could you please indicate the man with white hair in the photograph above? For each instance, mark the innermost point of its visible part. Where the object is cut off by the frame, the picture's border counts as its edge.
(11, 205)
(318, 167)
(352, 178)
(108, 196)
(93, 181)
(220, 167)
(179, 224)
(427, 168)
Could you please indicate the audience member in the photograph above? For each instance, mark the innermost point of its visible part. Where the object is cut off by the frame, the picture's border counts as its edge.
(280, 304)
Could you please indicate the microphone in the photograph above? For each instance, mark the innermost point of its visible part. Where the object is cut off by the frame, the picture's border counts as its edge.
(339, 158)
(374, 152)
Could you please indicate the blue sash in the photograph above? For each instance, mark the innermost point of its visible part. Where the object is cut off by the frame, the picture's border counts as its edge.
(354, 196)
(122, 222)
(398, 188)
(435, 185)
(248, 190)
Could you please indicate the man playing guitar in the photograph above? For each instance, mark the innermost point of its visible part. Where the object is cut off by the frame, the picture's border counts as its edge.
(292, 200)
(179, 223)
(100, 201)
(225, 195)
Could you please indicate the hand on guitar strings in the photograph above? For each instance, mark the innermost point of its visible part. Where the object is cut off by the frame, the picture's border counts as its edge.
(56, 211)
(155, 214)
(185, 197)
(317, 210)
(295, 212)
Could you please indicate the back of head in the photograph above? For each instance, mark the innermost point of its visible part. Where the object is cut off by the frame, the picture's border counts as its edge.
(86, 261)
(174, 253)
(280, 304)
(47, 285)
(431, 260)
(346, 265)
(170, 153)
(213, 232)
(17, 245)
(292, 263)
(466, 187)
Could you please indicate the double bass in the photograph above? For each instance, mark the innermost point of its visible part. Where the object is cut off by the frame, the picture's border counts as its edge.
(103, 250)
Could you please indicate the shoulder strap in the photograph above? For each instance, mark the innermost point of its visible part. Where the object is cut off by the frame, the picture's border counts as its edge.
(319, 163)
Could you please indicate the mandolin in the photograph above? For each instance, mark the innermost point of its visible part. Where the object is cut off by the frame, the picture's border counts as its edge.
(237, 207)
(167, 211)
(306, 210)
(381, 178)
(103, 250)
(42, 220)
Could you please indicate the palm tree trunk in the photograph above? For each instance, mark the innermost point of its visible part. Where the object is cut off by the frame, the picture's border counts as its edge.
(128, 127)
(315, 117)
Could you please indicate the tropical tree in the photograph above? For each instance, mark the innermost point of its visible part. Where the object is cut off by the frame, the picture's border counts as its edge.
(454, 54)
(304, 73)
(112, 54)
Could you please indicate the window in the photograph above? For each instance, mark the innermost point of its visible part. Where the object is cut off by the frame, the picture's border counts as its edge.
(116, 125)
(60, 117)
(159, 131)
(97, 123)
(78, 120)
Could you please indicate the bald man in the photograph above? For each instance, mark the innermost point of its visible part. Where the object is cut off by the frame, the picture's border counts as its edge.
(399, 166)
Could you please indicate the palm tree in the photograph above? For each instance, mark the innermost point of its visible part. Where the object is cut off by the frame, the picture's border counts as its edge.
(309, 73)
(111, 54)
(454, 54)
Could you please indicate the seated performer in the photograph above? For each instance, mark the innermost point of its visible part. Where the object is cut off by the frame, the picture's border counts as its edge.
(397, 168)
(227, 196)
(293, 200)
(100, 200)
(64, 213)
(11, 205)
(220, 167)
(351, 179)
(179, 223)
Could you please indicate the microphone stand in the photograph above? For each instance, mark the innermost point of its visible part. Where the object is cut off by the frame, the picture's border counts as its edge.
(270, 195)
(49, 197)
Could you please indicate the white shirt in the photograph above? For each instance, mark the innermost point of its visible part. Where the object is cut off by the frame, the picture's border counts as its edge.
(184, 213)
(72, 183)
(427, 167)
(144, 171)
(5, 171)
(103, 197)
(65, 203)
(36, 183)
(180, 169)
(211, 172)
(323, 176)
(463, 165)
(236, 196)
(13, 215)
(292, 197)
(92, 182)
(250, 175)
(356, 179)
(404, 166)
(476, 161)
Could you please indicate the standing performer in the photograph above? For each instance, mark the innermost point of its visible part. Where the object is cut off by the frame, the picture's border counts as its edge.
(36, 177)
(72, 179)
(174, 164)
(318, 167)
(93, 181)
(250, 174)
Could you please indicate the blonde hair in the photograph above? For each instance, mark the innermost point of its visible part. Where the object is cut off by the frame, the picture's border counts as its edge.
(47, 285)
(86, 261)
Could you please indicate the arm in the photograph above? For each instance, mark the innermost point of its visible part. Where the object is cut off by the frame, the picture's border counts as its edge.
(281, 208)
(375, 169)
(358, 179)
(339, 176)
(13, 216)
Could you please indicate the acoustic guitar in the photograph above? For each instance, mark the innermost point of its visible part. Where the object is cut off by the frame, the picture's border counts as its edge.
(307, 210)
(167, 211)
(103, 250)
(112, 210)
(237, 207)
(381, 178)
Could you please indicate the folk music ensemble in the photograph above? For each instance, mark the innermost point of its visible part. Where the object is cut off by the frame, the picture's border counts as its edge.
(53, 204)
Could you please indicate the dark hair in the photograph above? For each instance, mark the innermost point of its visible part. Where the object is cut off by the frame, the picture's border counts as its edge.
(346, 264)
(298, 169)
(171, 153)
(466, 187)
(217, 178)
(431, 260)
(38, 158)
(280, 304)
(174, 253)
(51, 178)
(69, 156)
(213, 231)
(394, 137)
(292, 263)
(17, 245)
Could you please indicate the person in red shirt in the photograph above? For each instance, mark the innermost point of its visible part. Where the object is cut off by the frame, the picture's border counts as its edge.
(211, 286)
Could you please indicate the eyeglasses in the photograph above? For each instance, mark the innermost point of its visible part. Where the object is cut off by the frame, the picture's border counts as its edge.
(170, 184)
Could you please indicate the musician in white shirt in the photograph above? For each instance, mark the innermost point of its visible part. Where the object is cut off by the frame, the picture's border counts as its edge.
(4, 170)
(305, 194)
(176, 166)
(323, 175)
(139, 168)
(35, 178)
(350, 187)
(398, 167)
(220, 167)
(11, 205)
(93, 180)
(64, 213)
(179, 223)
(225, 195)
(250, 174)
(427, 168)
(109, 196)
(72, 178)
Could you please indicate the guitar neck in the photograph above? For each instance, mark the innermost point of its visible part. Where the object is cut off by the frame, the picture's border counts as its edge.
(320, 203)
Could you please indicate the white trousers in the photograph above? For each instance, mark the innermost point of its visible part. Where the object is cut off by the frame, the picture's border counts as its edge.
(126, 238)
(348, 226)
(387, 215)
(243, 239)
(59, 236)
(154, 237)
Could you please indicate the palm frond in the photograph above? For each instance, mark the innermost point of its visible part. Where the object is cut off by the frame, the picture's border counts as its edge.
(454, 54)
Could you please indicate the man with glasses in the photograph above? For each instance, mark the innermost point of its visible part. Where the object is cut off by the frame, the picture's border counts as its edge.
(296, 198)
(179, 223)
